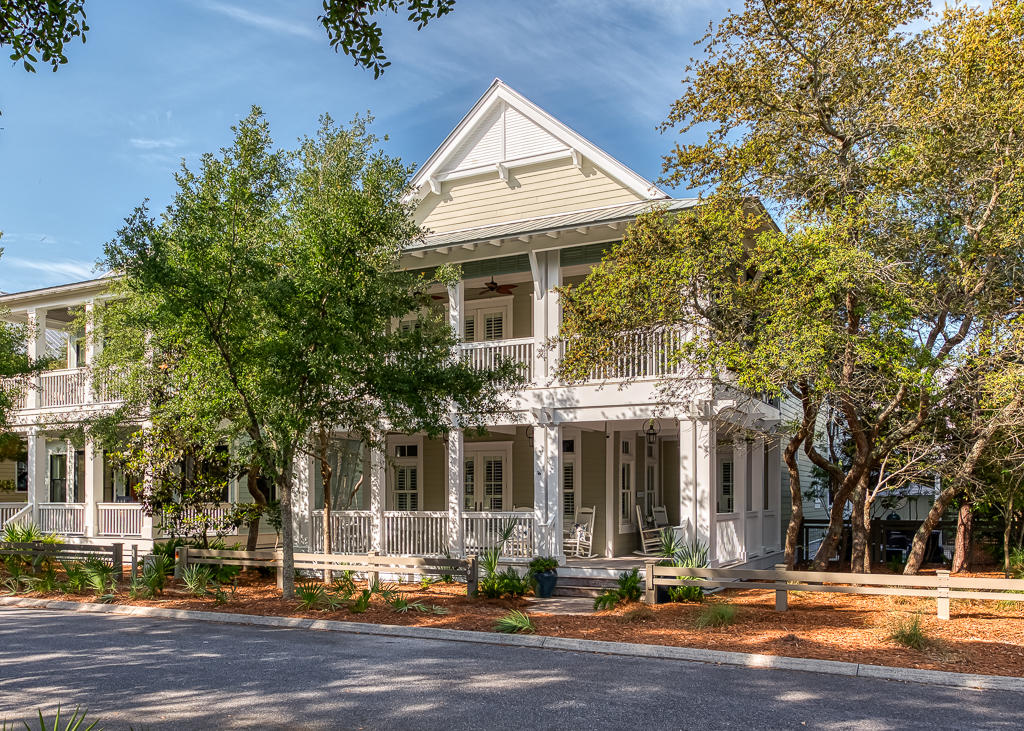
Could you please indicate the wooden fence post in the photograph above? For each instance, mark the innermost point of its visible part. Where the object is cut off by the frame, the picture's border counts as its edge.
(942, 601)
(180, 560)
(471, 576)
(650, 592)
(781, 595)
(279, 563)
(135, 560)
(372, 577)
(117, 556)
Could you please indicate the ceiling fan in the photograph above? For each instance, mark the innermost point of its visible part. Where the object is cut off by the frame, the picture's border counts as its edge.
(493, 286)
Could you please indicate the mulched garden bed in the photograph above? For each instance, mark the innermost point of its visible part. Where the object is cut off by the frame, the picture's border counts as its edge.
(982, 637)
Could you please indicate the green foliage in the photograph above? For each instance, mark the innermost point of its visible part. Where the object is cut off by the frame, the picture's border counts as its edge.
(361, 603)
(36, 30)
(540, 564)
(22, 533)
(310, 595)
(299, 254)
(682, 555)
(515, 622)
(76, 578)
(909, 632)
(507, 583)
(350, 26)
(344, 584)
(197, 579)
(716, 615)
(99, 576)
(628, 590)
(155, 572)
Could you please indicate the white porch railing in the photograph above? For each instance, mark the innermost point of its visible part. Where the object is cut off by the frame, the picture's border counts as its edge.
(62, 388)
(484, 530)
(351, 532)
(9, 510)
(66, 519)
(490, 354)
(642, 354)
(18, 388)
(120, 519)
(419, 533)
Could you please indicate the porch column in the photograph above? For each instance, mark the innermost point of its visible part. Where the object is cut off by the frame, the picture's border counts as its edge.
(90, 352)
(553, 509)
(36, 346)
(740, 478)
(757, 488)
(611, 498)
(546, 458)
(687, 480)
(302, 501)
(457, 309)
(72, 472)
(377, 497)
(456, 529)
(704, 477)
(773, 486)
(38, 490)
(92, 487)
(547, 275)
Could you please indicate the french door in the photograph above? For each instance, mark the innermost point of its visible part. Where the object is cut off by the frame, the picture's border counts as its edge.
(485, 482)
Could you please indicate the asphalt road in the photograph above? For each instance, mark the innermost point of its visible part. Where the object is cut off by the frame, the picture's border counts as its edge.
(156, 674)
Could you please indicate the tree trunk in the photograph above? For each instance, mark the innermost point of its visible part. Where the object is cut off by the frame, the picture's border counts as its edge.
(325, 478)
(1007, 530)
(964, 535)
(796, 516)
(284, 485)
(253, 526)
(860, 550)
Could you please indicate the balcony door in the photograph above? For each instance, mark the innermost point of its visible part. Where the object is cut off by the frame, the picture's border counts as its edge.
(487, 320)
(487, 479)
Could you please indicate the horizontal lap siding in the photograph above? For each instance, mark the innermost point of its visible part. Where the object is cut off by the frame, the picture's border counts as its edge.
(539, 190)
(790, 412)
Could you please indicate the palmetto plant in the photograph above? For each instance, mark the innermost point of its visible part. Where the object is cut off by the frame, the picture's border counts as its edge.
(515, 622)
(197, 578)
(99, 576)
(309, 595)
(75, 579)
(690, 556)
(628, 590)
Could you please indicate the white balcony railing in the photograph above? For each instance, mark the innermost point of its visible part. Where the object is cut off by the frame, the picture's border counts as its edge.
(62, 388)
(419, 533)
(9, 510)
(485, 530)
(491, 353)
(120, 519)
(641, 354)
(66, 519)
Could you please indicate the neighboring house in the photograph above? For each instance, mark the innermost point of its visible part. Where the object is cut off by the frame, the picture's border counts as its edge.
(523, 204)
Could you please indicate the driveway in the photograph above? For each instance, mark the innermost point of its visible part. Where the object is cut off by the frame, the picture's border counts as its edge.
(171, 674)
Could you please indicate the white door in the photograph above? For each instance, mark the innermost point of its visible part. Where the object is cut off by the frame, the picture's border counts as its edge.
(485, 483)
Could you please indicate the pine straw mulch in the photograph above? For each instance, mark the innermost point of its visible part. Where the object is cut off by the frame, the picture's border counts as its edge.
(981, 637)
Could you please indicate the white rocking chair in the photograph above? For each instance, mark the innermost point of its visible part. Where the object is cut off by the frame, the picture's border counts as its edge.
(578, 540)
(650, 538)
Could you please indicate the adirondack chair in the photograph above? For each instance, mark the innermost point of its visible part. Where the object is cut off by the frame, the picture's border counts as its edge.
(579, 539)
(650, 537)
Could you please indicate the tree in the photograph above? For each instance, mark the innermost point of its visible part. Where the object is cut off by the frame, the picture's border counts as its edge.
(900, 211)
(265, 299)
(37, 30)
(15, 367)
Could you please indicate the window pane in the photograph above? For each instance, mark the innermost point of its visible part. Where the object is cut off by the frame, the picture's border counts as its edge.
(494, 326)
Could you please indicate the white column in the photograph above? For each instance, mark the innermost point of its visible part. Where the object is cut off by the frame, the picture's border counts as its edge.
(36, 349)
(553, 509)
(547, 317)
(740, 478)
(611, 498)
(687, 480)
(774, 487)
(377, 498)
(92, 488)
(38, 489)
(540, 498)
(457, 309)
(757, 484)
(704, 480)
(302, 501)
(456, 529)
(89, 351)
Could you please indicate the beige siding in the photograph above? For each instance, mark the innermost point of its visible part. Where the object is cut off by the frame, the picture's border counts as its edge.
(435, 475)
(591, 482)
(537, 190)
(790, 411)
(8, 483)
(522, 469)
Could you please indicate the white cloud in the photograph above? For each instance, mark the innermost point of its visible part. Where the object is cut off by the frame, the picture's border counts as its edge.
(260, 20)
(65, 268)
(149, 143)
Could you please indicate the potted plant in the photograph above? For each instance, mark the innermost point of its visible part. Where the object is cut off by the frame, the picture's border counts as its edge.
(544, 575)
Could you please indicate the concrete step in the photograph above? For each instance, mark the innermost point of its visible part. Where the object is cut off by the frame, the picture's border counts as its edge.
(582, 586)
(576, 591)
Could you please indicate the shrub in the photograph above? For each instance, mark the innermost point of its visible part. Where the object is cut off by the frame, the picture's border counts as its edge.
(75, 723)
(344, 585)
(76, 580)
(909, 632)
(154, 574)
(716, 615)
(99, 576)
(515, 622)
(197, 579)
(691, 556)
(403, 606)
(508, 583)
(310, 595)
(628, 590)
(361, 603)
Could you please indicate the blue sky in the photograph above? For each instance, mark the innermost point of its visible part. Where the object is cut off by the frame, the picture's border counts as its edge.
(158, 81)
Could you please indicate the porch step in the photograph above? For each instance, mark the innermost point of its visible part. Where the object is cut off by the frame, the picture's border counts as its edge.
(582, 586)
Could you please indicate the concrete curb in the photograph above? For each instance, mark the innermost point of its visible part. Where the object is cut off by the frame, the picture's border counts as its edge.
(663, 652)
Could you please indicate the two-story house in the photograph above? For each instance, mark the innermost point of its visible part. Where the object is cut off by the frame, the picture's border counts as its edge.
(524, 204)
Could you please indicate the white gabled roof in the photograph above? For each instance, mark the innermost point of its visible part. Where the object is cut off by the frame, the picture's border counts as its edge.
(504, 129)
